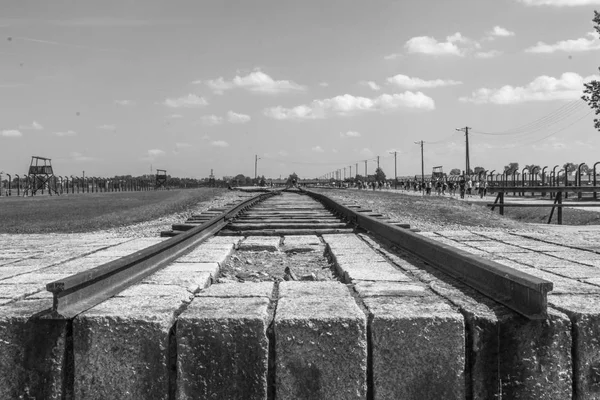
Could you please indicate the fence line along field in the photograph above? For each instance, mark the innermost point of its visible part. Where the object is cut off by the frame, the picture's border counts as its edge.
(95, 211)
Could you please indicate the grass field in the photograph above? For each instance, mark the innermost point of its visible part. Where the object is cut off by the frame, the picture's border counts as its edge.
(94, 211)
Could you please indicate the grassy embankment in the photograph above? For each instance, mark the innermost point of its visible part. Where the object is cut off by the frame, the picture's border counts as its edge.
(94, 211)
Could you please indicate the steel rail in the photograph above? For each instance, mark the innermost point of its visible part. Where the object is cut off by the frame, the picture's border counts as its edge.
(77, 293)
(519, 291)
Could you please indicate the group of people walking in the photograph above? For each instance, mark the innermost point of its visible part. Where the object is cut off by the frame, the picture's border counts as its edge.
(464, 186)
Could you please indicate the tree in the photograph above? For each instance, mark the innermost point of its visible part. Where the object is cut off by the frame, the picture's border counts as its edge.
(592, 89)
(570, 167)
(531, 167)
(379, 175)
(479, 170)
(291, 179)
(511, 168)
(455, 171)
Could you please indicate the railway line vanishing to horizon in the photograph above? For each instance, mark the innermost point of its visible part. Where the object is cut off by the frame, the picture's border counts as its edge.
(289, 294)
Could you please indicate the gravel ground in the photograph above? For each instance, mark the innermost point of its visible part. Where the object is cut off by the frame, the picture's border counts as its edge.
(153, 228)
(429, 213)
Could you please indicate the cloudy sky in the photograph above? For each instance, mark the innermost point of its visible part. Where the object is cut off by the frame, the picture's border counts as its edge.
(120, 87)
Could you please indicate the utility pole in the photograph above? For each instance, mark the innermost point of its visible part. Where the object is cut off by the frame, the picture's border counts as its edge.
(351, 171)
(467, 164)
(366, 175)
(422, 168)
(395, 170)
(255, 164)
(356, 169)
(377, 162)
(344, 173)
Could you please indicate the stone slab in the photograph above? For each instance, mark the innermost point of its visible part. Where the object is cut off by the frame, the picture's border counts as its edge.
(210, 267)
(34, 278)
(394, 289)
(143, 290)
(204, 254)
(223, 349)
(304, 289)
(349, 257)
(584, 312)
(510, 356)
(32, 352)
(372, 272)
(576, 271)
(418, 348)
(192, 281)
(19, 290)
(222, 240)
(344, 240)
(320, 348)
(239, 290)
(10, 271)
(259, 243)
(122, 348)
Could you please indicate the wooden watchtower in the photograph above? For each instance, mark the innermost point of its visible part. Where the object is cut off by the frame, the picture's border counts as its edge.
(161, 179)
(40, 175)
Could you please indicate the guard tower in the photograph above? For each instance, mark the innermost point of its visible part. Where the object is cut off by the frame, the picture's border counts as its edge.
(437, 173)
(40, 174)
(161, 179)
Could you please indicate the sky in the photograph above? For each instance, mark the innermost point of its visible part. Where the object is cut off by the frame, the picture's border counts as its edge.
(126, 87)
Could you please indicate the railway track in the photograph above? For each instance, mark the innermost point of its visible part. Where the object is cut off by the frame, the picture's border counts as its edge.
(291, 295)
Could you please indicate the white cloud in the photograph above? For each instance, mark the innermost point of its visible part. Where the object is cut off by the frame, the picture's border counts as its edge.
(34, 125)
(155, 152)
(347, 104)
(543, 88)
(349, 134)
(256, 81)
(236, 118)
(415, 83)
(571, 45)
(392, 56)
(107, 127)
(559, 3)
(488, 54)
(366, 152)
(76, 156)
(317, 149)
(211, 120)
(371, 84)
(324, 84)
(125, 102)
(430, 45)
(189, 101)
(66, 133)
(219, 143)
(500, 32)
(11, 133)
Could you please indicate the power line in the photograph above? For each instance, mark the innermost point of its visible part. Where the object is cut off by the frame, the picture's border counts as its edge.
(548, 120)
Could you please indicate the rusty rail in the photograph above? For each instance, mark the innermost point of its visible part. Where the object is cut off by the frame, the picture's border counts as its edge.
(519, 291)
(77, 293)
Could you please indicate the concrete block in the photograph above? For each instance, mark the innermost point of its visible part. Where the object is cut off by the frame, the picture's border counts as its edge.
(222, 349)
(33, 362)
(192, 282)
(302, 241)
(260, 289)
(394, 289)
(372, 272)
(212, 268)
(345, 240)
(584, 312)
(122, 348)
(259, 243)
(17, 291)
(143, 290)
(222, 240)
(207, 254)
(509, 356)
(307, 289)
(418, 347)
(320, 348)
